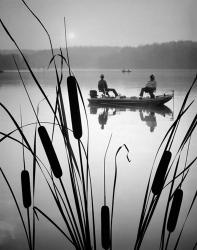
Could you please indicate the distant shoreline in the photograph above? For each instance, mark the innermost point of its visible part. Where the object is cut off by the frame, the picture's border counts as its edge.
(171, 55)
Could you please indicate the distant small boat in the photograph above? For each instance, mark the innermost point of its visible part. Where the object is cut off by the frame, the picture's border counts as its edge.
(1, 71)
(126, 70)
(128, 101)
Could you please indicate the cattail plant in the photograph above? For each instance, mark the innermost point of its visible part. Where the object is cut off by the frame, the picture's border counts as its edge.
(74, 107)
(175, 209)
(26, 188)
(159, 179)
(50, 152)
(105, 227)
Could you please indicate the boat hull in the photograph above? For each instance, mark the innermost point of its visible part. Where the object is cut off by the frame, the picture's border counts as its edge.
(130, 101)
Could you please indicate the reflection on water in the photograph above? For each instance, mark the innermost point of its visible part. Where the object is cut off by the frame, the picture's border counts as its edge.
(146, 114)
(149, 119)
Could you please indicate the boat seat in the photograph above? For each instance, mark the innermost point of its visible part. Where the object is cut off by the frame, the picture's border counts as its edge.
(148, 94)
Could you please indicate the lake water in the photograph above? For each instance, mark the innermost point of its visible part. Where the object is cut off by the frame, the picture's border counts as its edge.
(141, 129)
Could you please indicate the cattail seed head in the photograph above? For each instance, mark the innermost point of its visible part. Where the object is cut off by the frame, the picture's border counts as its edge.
(105, 227)
(50, 152)
(26, 188)
(74, 107)
(158, 181)
(175, 209)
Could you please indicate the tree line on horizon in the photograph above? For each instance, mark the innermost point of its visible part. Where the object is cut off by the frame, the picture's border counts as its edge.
(171, 55)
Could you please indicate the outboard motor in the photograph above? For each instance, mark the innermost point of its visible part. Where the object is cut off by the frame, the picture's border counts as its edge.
(93, 94)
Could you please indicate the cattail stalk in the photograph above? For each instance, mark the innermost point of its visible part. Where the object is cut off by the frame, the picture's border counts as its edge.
(159, 179)
(175, 209)
(50, 152)
(105, 227)
(26, 188)
(74, 107)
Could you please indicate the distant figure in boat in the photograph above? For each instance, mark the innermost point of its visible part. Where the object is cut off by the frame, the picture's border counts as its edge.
(150, 87)
(102, 87)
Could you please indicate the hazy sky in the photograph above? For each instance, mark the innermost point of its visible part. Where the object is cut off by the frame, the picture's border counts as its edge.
(99, 22)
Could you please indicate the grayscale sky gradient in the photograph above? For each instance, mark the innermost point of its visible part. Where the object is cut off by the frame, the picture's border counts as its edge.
(99, 22)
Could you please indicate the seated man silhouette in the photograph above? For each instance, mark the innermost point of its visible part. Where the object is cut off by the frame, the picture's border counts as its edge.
(102, 87)
(150, 87)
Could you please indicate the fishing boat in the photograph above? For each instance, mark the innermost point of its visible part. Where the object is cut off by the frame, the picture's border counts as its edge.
(126, 70)
(128, 101)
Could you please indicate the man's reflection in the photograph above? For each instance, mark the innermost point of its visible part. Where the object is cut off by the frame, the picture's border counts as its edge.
(150, 119)
(102, 118)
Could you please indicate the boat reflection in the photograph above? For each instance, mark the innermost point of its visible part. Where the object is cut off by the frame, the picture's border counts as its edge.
(146, 114)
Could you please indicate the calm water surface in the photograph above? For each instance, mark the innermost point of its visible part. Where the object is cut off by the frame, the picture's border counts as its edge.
(141, 129)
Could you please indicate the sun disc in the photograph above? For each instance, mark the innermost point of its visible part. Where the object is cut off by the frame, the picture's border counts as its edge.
(71, 36)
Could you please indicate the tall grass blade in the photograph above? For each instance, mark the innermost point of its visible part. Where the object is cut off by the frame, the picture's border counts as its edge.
(34, 182)
(29, 68)
(7, 136)
(34, 161)
(26, 89)
(40, 24)
(105, 168)
(22, 140)
(68, 59)
(91, 196)
(114, 185)
(87, 229)
(189, 132)
(182, 172)
(29, 228)
(18, 127)
(93, 215)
